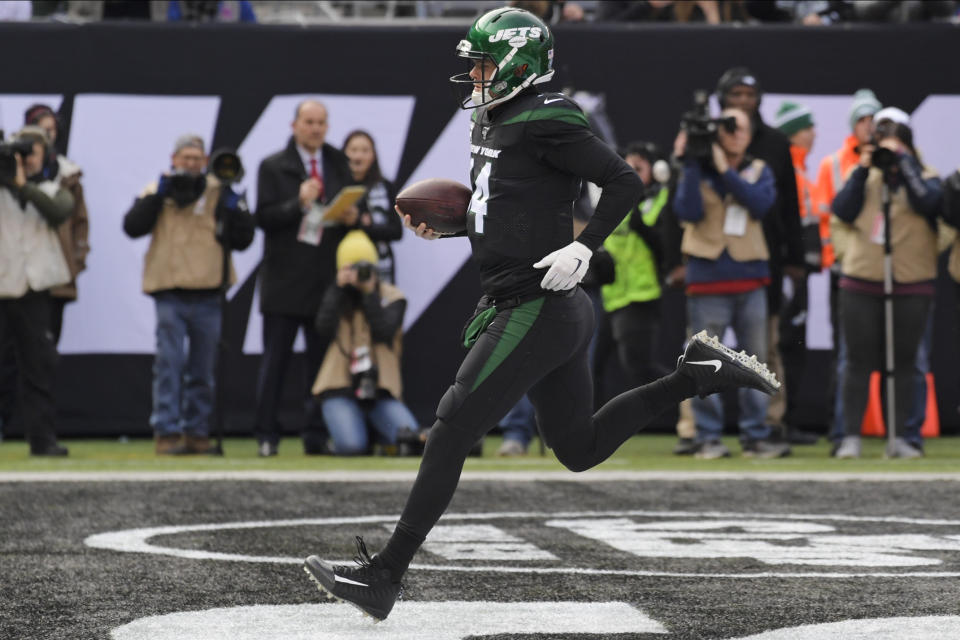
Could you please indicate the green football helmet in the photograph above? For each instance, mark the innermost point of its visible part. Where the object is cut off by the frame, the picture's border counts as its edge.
(520, 46)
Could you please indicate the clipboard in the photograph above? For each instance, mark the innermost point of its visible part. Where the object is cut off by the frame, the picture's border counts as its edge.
(346, 198)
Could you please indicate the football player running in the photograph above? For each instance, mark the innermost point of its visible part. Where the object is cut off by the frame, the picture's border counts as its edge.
(530, 151)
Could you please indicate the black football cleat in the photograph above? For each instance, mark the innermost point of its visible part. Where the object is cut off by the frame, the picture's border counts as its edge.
(714, 367)
(365, 586)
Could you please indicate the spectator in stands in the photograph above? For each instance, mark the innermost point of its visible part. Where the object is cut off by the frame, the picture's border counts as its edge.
(377, 216)
(830, 178)
(359, 381)
(551, 11)
(738, 87)
(74, 232)
(182, 271)
(721, 202)
(210, 11)
(915, 203)
(708, 11)
(806, 12)
(299, 263)
(32, 207)
(796, 122)
(905, 11)
(632, 300)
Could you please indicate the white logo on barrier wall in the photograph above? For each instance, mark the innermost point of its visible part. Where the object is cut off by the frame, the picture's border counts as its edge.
(113, 316)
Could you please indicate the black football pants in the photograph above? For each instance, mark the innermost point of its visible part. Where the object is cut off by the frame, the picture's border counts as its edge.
(538, 348)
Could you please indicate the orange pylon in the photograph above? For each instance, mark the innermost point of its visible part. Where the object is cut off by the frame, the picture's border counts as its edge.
(873, 423)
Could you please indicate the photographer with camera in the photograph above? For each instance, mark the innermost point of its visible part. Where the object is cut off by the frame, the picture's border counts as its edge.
(183, 270)
(912, 204)
(739, 87)
(359, 380)
(32, 207)
(721, 201)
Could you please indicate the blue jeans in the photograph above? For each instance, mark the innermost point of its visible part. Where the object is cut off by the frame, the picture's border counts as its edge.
(188, 329)
(746, 314)
(520, 422)
(918, 410)
(347, 422)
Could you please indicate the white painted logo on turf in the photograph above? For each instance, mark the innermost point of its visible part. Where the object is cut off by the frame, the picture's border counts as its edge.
(789, 542)
(772, 542)
(481, 542)
(409, 621)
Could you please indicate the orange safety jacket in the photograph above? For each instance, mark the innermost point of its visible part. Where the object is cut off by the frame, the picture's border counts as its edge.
(830, 178)
(806, 190)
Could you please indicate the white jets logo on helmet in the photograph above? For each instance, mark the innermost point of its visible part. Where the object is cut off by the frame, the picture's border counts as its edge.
(517, 37)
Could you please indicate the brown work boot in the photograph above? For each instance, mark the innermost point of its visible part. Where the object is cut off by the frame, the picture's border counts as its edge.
(196, 444)
(169, 445)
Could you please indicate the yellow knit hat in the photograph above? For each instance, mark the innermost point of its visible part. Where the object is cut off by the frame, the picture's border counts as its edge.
(356, 247)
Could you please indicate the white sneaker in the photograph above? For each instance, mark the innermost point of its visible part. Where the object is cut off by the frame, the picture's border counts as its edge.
(849, 448)
(900, 448)
(511, 449)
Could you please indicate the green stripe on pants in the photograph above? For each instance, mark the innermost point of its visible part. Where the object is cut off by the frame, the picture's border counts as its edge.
(521, 319)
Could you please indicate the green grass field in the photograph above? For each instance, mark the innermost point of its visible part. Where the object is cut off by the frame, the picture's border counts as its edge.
(641, 453)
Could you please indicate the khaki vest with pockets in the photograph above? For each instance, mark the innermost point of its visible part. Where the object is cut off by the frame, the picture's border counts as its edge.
(184, 252)
(706, 238)
(913, 240)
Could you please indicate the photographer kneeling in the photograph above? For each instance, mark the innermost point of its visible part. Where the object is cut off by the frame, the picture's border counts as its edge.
(31, 262)
(359, 380)
(183, 270)
(915, 196)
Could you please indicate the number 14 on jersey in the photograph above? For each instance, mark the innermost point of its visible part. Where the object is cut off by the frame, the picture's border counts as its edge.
(478, 203)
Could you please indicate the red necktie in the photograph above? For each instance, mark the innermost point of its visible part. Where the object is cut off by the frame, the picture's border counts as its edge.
(316, 174)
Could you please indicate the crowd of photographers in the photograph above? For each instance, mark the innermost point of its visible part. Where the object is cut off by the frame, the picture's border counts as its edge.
(744, 216)
(732, 217)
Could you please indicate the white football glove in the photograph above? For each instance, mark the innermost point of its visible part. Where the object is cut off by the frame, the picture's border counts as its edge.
(567, 267)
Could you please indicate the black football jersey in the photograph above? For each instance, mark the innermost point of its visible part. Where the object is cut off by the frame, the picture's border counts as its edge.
(528, 158)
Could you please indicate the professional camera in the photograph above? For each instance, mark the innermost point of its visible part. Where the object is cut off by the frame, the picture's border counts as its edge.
(364, 271)
(226, 166)
(363, 373)
(883, 158)
(9, 150)
(701, 128)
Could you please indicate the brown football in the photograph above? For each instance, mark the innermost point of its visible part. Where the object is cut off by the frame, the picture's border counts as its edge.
(440, 203)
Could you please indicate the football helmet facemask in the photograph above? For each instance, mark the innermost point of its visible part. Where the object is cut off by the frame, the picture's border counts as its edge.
(519, 45)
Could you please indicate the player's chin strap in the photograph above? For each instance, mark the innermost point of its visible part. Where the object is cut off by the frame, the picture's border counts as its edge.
(567, 267)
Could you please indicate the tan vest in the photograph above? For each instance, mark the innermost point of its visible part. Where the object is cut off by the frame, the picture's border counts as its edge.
(354, 332)
(706, 238)
(951, 234)
(30, 254)
(184, 252)
(913, 240)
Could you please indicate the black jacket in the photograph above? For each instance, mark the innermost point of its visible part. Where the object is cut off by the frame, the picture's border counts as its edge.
(294, 274)
(781, 226)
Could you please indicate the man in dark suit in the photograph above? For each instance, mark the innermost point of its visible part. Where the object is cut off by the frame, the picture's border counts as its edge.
(299, 262)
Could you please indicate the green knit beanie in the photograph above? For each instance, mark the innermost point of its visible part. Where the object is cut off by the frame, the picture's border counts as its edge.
(864, 104)
(792, 117)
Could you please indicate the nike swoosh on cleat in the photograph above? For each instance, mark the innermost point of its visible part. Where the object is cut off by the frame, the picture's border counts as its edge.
(716, 364)
(349, 581)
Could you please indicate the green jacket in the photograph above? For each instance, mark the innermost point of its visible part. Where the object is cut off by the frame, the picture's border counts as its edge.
(635, 263)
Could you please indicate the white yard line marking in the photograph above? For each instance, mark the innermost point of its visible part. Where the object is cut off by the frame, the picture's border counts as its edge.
(472, 476)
